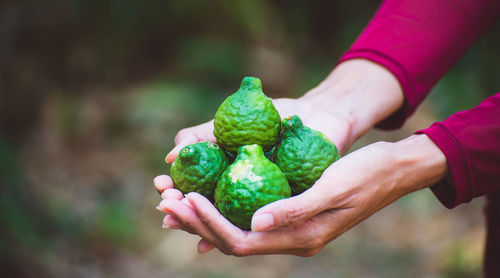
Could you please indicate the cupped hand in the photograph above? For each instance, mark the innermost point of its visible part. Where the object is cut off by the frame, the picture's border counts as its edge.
(355, 96)
(336, 126)
(349, 191)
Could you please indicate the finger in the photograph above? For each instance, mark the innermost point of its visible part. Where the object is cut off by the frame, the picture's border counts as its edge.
(191, 135)
(204, 246)
(212, 217)
(163, 182)
(204, 132)
(172, 193)
(304, 239)
(289, 211)
(169, 222)
(231, 239)
(296, 240)
(190, 220)
(187, 140)
(307, 238)
(186, 202)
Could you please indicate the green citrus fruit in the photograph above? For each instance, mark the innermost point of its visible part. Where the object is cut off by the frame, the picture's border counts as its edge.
(247, 117)
(303, 154)
(198, 167)
(251, 182)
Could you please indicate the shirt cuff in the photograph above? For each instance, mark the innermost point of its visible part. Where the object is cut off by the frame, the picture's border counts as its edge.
(398, 118)
(457, 188)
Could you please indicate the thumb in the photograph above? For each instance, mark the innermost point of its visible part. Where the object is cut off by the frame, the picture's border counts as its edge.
(289, 211)
(191, 135)
(187, 140)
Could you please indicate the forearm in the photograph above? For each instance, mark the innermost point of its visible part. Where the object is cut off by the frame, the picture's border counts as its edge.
(363, 92)
(411, 39)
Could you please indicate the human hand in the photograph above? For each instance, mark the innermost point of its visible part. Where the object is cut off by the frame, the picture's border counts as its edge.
(336, 126)
(351, 100)
(350, 190)
(355, 96)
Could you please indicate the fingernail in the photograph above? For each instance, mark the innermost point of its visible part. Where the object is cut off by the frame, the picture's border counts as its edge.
(168, 158)
(204, 248)
(163, 194)
(262, 222)
(189, 197)
(158, 208)
(171, 226)
(187, 202)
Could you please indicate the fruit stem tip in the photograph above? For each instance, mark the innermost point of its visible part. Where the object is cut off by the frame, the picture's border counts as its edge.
(251, 83)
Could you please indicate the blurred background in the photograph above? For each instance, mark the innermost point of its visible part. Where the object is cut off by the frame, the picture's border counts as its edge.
(92, 94)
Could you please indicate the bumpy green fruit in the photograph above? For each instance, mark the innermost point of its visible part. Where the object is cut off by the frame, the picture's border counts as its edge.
(198, 167)
(251, 182)
(247, 117)
(303, 154)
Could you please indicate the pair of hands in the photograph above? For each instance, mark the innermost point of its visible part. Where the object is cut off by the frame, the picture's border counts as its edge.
(349, 191)
(354, 97)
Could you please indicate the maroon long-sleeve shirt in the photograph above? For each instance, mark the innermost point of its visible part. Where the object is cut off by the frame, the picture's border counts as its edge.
(418, 41)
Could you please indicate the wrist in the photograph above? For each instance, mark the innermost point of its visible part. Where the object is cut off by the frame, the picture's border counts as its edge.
(383, 172)
(362, 92)
(419, 161)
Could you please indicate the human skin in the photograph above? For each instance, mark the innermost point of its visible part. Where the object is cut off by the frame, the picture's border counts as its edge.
(353, 98)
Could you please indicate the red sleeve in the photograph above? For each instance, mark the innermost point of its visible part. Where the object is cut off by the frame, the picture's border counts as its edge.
(470, 140)
(418, 41)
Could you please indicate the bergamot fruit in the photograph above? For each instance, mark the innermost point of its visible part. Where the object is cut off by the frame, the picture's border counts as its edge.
(251, 182)
(247, 117)
(198, 167)
(303, 154)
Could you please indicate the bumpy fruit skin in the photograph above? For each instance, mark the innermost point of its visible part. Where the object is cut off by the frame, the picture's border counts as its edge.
(251, 182)
(303, 154)
(198, 167)
(247, 117)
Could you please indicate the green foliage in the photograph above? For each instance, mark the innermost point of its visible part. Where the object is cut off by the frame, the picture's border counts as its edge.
(19, 228)
(458, 263)
(161, 104)
(114, 222)
(471, 80)
(212, 57)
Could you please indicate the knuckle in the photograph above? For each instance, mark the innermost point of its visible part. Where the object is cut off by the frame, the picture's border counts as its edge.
(225, 250)
(238, 249)
(314, 242)
(210, 221)
(181, 134)
(310, 252)
(207, 220)
(294, 214)
(313, 239)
